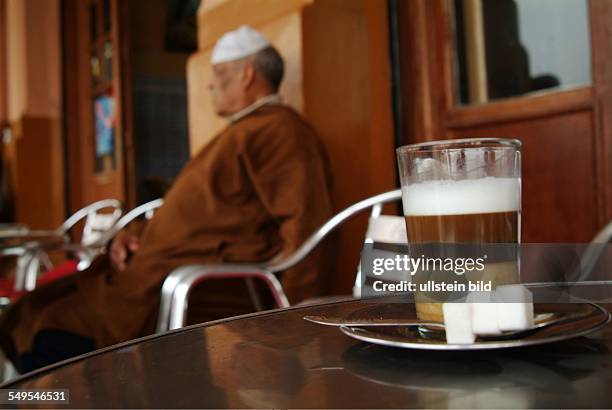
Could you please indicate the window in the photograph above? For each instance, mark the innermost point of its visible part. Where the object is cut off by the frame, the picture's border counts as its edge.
(507, 48)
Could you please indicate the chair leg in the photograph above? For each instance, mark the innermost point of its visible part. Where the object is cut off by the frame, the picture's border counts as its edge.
(254, 295)
(591, 255)
(21, 271)
(32, 272)
(165, 303)
(45, 260)
(167, 292)
(357, 285)
(178, 308)
(276, 288)
(588, 261)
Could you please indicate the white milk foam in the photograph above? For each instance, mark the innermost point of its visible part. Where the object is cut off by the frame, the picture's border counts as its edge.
(469, 196)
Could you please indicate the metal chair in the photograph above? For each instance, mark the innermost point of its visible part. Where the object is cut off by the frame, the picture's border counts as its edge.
(96, 225)
(11, 230)
(388, 229)
(178, 284)
(592, 254)
(147, 210)
(33, 254)
(85, 251)
(382, 229)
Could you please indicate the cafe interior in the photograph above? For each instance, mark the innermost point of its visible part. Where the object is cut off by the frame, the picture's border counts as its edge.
(104, 101)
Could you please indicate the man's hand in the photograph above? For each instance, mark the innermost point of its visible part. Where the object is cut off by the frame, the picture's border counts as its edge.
(123, 246)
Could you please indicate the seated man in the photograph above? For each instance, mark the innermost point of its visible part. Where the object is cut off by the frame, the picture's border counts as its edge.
(258, 189)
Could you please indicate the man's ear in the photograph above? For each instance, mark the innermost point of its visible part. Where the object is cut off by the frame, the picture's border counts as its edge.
(248, 75)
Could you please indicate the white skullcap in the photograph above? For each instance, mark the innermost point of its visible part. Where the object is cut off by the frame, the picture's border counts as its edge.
(238, 44)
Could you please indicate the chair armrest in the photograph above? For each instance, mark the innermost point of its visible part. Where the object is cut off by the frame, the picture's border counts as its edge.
(145, 210)
(11, 230)
(178, 284)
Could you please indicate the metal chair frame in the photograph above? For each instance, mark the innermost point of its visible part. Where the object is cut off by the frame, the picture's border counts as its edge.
(147, 210)
(87, 253)
(28, 263)
(89, 210)
(177, 285)
(592, 254)
(30, 255)
(11, 230)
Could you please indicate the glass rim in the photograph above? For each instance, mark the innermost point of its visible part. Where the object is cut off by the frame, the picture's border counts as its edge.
(448, 145)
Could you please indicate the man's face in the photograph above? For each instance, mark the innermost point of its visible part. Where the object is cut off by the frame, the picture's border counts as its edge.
(227, 88)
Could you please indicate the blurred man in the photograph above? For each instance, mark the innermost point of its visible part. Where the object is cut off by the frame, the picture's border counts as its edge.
(258, 189)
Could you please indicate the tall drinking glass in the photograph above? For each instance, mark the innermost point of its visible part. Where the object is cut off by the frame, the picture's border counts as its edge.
(462, 202)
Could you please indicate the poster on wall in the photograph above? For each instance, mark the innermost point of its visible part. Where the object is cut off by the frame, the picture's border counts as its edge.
(105, 121)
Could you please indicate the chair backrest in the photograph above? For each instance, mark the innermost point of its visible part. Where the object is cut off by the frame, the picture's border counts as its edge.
(592, 254)
(375, 202)
(386, 229)
(178, 283)
(96, 225)
(97, 222)
(147, 210)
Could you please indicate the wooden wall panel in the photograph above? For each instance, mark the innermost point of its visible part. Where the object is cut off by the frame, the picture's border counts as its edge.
(3, 64)
(601, 39)
(423, 76)
(347, 90)
(39, 172)
(74, 128)
(33, 78)
(558, 173)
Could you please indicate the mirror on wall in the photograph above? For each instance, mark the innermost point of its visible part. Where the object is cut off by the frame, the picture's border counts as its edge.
(509, 48)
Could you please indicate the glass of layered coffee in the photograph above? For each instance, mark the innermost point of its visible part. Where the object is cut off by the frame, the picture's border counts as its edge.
(462, 206)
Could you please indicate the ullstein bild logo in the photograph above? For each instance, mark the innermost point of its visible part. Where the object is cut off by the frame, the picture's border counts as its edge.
(554, 273)
(413, 265)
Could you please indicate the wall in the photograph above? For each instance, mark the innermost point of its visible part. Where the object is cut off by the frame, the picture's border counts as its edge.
(347, 94)
(33, 97)
(279, 21)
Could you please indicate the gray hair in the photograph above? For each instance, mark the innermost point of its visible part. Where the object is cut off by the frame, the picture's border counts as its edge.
(269, 63)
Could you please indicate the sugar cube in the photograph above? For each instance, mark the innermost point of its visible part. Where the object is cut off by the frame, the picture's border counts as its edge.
(458, 323)
(484, 313)
(515, 307)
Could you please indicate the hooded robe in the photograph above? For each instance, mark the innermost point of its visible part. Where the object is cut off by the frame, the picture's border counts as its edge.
(258, 189)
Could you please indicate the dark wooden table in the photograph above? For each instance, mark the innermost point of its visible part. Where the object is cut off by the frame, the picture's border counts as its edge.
(276, 359)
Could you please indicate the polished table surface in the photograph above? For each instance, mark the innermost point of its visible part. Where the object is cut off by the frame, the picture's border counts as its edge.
(276, 359)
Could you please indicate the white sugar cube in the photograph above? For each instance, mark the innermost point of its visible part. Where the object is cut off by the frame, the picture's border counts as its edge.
(484, 313)
(514, 307)
(458, 323)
